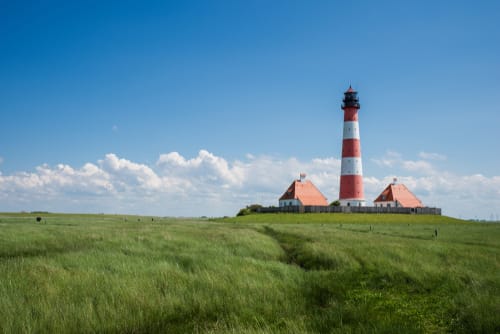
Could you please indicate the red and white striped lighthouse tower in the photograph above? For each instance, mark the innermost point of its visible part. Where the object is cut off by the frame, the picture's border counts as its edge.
(351, 171)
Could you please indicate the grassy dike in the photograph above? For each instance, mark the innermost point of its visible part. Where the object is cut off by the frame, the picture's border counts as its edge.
(317, 273)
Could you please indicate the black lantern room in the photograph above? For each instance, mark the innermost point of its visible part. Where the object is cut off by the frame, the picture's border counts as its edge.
(351, 99)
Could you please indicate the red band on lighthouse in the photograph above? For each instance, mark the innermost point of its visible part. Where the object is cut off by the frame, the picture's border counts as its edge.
(350, 186)
(351, 148)
(351, 171)
(350, 115)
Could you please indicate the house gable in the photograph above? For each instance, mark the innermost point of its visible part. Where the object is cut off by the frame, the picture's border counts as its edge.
(398, 195)
(304, 192)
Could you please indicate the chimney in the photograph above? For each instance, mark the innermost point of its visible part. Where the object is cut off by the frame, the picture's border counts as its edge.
(302, 177)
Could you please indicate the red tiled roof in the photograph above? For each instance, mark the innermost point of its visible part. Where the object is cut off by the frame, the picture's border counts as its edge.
(399, 192)
(305, 192)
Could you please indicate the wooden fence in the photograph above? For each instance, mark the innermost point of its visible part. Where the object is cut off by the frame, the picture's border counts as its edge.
(350, 209)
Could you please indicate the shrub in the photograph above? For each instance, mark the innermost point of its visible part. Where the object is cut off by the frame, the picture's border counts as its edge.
(253, 208)
(243, 212)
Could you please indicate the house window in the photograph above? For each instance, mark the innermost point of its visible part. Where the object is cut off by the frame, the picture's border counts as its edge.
(388, 205)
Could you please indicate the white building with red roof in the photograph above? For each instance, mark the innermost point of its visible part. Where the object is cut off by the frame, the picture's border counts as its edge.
(302, 193)
(397, 195)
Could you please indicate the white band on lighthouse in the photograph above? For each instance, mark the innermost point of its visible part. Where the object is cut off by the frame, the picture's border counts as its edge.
(351, 166)
(351, 130)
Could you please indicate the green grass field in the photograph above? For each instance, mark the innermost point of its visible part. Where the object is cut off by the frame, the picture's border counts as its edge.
(281, 273)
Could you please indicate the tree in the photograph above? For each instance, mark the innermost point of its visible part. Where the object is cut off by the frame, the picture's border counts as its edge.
(335, 203)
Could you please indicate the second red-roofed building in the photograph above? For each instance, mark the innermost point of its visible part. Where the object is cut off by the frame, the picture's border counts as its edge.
(397, 195)
(302, 192)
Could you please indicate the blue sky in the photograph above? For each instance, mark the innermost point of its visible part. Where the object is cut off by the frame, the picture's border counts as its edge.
(250, 83)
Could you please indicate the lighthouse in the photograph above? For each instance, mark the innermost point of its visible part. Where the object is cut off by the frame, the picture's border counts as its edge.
(351, 171)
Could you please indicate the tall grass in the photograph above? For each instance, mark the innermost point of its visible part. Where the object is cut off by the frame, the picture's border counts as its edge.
(264, 273)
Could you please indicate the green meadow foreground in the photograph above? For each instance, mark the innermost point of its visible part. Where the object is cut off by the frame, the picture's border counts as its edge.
(317, 273)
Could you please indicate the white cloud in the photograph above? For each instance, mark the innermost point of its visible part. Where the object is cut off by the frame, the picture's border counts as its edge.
(390, 159)
(205, 167)
(126, 174)
(419, 166)
(394, 160)
(208, 184)
(431, 156)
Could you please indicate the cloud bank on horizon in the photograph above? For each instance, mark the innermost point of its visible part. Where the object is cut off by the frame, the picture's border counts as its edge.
(211, 185)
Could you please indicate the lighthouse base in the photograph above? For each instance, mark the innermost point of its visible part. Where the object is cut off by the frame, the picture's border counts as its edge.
(352, 202)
